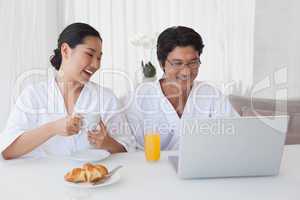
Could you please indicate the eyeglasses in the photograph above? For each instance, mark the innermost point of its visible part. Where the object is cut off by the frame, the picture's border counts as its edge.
(180, 65)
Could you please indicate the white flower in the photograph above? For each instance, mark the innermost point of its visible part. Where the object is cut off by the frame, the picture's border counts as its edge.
(136, 40)
(143, 40)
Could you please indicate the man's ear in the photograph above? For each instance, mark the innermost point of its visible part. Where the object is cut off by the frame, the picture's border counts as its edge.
(65, 50)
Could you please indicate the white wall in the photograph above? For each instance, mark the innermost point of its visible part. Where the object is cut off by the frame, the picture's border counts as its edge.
(277, 46)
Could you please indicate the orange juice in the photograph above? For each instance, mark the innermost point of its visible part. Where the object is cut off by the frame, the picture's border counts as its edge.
(152, 146)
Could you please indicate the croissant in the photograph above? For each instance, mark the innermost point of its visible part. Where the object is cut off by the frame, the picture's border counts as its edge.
(88, 173)
(77, 175)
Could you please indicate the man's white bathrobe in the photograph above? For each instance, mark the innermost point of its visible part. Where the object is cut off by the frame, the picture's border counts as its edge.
(149, 110)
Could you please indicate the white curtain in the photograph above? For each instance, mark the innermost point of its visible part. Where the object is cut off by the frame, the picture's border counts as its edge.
(227, 28)
(28, 34)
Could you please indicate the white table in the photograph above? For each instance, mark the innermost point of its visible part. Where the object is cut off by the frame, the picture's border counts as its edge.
(43, 179)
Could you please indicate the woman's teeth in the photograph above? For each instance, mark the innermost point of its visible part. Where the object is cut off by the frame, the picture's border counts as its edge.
(89, 72)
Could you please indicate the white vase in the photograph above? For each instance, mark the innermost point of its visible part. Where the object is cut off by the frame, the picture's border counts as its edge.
(149, 79)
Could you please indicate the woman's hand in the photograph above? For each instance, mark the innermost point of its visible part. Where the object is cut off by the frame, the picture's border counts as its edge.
(68, 126)
(31, 139)
(101, 139)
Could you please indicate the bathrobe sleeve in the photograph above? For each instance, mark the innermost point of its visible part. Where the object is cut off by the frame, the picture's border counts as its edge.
(23, 117)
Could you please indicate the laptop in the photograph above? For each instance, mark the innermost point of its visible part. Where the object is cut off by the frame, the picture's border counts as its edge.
(231, 147)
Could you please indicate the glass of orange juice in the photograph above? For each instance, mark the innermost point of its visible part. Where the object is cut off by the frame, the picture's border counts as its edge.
(152, 146)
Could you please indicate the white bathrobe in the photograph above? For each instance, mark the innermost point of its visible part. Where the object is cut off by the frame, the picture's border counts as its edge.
(42, 103)
(149, 110)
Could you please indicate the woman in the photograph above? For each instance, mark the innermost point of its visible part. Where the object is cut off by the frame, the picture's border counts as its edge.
(44, 119)
(164, 105)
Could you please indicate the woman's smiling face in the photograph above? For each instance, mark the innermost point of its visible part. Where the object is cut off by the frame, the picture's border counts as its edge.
(81, 62)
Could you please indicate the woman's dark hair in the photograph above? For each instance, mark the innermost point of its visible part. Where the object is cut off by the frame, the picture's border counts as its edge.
(178, 36)
(73, 35)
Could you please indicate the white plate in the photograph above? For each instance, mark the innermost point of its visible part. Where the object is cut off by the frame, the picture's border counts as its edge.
(115, 178)
(89, 155)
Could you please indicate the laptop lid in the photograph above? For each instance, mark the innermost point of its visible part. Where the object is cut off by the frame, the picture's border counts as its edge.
(246, 146)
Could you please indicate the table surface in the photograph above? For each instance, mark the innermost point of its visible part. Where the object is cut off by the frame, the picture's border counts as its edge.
(43, 179)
